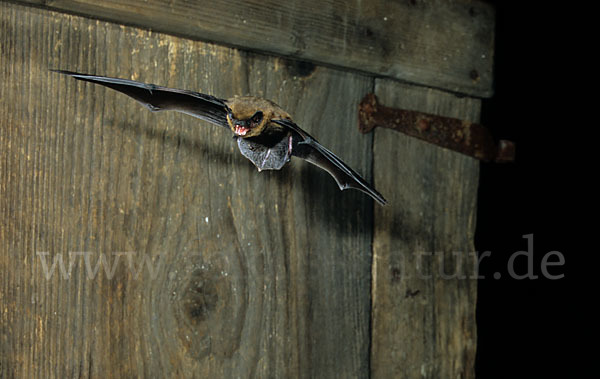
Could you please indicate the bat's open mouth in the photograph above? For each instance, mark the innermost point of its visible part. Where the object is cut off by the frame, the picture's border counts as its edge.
(241, 130)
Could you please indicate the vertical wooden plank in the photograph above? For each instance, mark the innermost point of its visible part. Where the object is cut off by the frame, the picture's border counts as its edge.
(180, 260)
(424, 262)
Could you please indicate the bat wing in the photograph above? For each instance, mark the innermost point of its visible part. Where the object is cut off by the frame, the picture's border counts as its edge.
(306, 147)
(157, 98)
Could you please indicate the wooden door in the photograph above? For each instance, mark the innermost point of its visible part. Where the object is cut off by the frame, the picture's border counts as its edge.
(139, 244)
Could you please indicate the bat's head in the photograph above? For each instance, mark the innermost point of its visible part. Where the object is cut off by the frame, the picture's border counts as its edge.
(248, 116)
(246, 126)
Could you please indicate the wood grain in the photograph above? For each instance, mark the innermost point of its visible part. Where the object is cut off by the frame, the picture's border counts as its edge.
(437, 43)
(219, 271)
(424, 261)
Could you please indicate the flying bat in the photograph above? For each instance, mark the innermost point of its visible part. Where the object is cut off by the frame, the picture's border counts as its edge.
(265, 133)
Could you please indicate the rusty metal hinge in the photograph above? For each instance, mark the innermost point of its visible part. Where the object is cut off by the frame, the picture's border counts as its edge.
(463, 136)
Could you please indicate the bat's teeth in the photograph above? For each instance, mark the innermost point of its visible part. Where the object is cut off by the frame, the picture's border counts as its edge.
(240, 130)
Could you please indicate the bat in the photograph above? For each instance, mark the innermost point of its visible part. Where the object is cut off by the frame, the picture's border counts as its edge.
(265, 133)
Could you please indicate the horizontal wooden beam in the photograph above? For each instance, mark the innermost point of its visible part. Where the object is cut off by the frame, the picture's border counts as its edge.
(442, 44)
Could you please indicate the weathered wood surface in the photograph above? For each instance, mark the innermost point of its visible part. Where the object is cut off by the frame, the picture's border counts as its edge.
(424, 262)
(438, 43)
(253, 274)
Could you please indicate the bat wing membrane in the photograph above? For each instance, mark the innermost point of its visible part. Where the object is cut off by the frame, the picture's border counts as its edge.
(157, 98)
(312, 151)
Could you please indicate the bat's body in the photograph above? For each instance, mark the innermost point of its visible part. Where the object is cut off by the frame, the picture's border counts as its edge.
(265, 133)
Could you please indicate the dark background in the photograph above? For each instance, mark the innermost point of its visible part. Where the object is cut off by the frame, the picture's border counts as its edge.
(522, 324)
